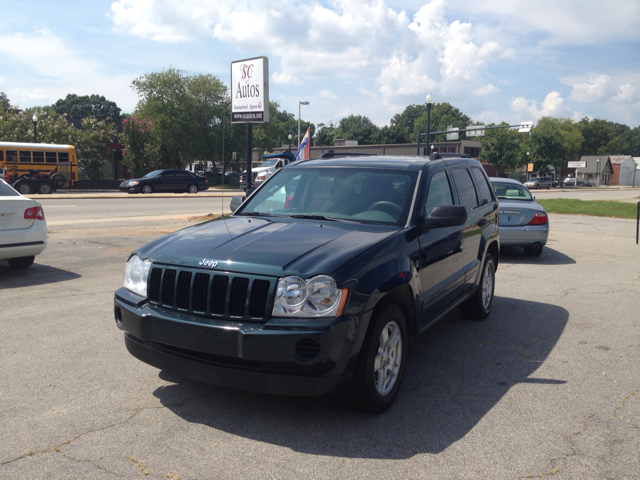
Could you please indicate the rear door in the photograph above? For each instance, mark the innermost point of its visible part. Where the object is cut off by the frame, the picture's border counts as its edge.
(468, 197)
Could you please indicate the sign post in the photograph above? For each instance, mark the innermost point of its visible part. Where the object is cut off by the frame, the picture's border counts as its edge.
(250, 99)
(576, 165)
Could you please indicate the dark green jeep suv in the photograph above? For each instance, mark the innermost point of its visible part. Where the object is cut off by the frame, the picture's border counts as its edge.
(319, 280)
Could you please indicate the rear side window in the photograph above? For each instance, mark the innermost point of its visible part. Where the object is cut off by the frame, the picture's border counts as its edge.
(63, 156)
(483, 186)
(51, 157)
(7, 191)
(466, 191)
(439, 192)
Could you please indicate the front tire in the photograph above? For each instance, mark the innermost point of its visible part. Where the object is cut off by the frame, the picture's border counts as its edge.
(21, 262)
(478, 307)
(24, 188)
(146, 189)
(381, 361)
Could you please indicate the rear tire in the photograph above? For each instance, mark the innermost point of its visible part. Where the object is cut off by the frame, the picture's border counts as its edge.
(45, 188)
(381, 362)
(21, 262)
(478, 307)
(534, 251)
(192, 189)
(58, 180)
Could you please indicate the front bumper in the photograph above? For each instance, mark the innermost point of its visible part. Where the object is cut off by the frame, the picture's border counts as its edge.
(132, 189)
(283, 356)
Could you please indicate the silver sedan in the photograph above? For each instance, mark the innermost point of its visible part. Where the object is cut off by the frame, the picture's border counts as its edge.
(523, 222)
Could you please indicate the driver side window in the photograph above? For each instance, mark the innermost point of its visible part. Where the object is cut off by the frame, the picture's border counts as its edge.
(439, 192)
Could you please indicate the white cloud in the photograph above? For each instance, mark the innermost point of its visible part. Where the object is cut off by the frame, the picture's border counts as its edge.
(56, 70)
(602, 88)
(486, 90)
(580, 22)
(328, 94)
(552, 105)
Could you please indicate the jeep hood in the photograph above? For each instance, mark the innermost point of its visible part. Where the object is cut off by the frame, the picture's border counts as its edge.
(265, 246)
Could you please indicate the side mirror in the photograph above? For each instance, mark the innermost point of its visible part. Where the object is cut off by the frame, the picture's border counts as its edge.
(445, 216)
(236, 201)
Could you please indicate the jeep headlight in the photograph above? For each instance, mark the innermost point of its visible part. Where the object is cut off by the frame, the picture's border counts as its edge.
(135, 275)
(315, 297)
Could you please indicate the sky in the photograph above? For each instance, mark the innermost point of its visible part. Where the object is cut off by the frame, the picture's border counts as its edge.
(495, 60)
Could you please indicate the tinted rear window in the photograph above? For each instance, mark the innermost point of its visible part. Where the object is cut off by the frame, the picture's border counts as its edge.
(7, 191)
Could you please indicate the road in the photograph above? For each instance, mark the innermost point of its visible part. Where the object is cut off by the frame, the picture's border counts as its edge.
(547, 385)
(129, 209)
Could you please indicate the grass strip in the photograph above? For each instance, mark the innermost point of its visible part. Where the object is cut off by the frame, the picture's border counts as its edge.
(597, 208)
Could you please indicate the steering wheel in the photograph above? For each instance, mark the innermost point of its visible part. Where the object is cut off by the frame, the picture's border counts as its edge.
(387, 207)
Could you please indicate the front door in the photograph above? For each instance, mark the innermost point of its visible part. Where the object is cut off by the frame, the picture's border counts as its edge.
(441, 267)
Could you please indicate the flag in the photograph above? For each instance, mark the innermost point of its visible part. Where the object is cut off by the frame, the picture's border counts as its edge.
(303, 149)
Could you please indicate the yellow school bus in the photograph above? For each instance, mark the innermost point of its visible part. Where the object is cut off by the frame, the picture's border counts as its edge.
(58, 162)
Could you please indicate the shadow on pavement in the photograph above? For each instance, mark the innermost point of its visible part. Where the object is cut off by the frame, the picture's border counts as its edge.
(36, 274)
(455, 375)
(549, 256)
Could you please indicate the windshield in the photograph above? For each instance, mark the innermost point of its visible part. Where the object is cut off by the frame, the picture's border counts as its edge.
(340, 194)
(155, 173)
(511, 191)
(269, 163)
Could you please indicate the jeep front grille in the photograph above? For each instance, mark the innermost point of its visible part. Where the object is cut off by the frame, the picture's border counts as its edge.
(214, 294)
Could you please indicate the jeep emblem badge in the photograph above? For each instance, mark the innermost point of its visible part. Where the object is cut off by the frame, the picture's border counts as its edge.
(208, 263)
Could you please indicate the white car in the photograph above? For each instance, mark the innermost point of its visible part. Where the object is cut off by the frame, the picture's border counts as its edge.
(23, 229)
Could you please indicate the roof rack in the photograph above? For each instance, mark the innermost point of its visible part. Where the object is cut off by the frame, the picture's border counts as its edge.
(436, 156)
(332, 154)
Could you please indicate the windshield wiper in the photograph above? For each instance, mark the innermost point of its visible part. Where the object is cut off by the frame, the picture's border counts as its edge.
(317, 217)
(257, 214)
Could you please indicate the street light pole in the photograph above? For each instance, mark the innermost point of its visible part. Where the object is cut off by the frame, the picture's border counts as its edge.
(35, 128)
(597, 172)
(299, 105)
(289, 136)
(429, 101)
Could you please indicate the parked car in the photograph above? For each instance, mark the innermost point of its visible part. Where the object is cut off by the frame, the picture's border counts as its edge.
(23, 228)
(571, 182)
(319, 280)
(176, 181)
(523, 222)
(272, 163)
(539, 182)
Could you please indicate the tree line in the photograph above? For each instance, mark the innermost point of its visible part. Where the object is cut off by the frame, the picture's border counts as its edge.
(181, 119)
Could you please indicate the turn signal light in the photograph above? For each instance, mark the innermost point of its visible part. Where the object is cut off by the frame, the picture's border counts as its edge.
(34, 213)
(539, 218)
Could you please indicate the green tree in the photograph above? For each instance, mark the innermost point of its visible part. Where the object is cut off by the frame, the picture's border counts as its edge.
(443, 115)
(325, 134)
(597, 135)
(502, 147)
(571, 136)
(547, 147)
(5, 104)
(626, 144)
(140, 151)
(186, 112)
(77, 108)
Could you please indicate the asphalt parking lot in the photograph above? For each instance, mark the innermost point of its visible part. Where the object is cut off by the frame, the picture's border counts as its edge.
(548, 385)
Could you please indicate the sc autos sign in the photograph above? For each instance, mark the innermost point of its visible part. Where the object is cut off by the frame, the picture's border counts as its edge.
(250, 90)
